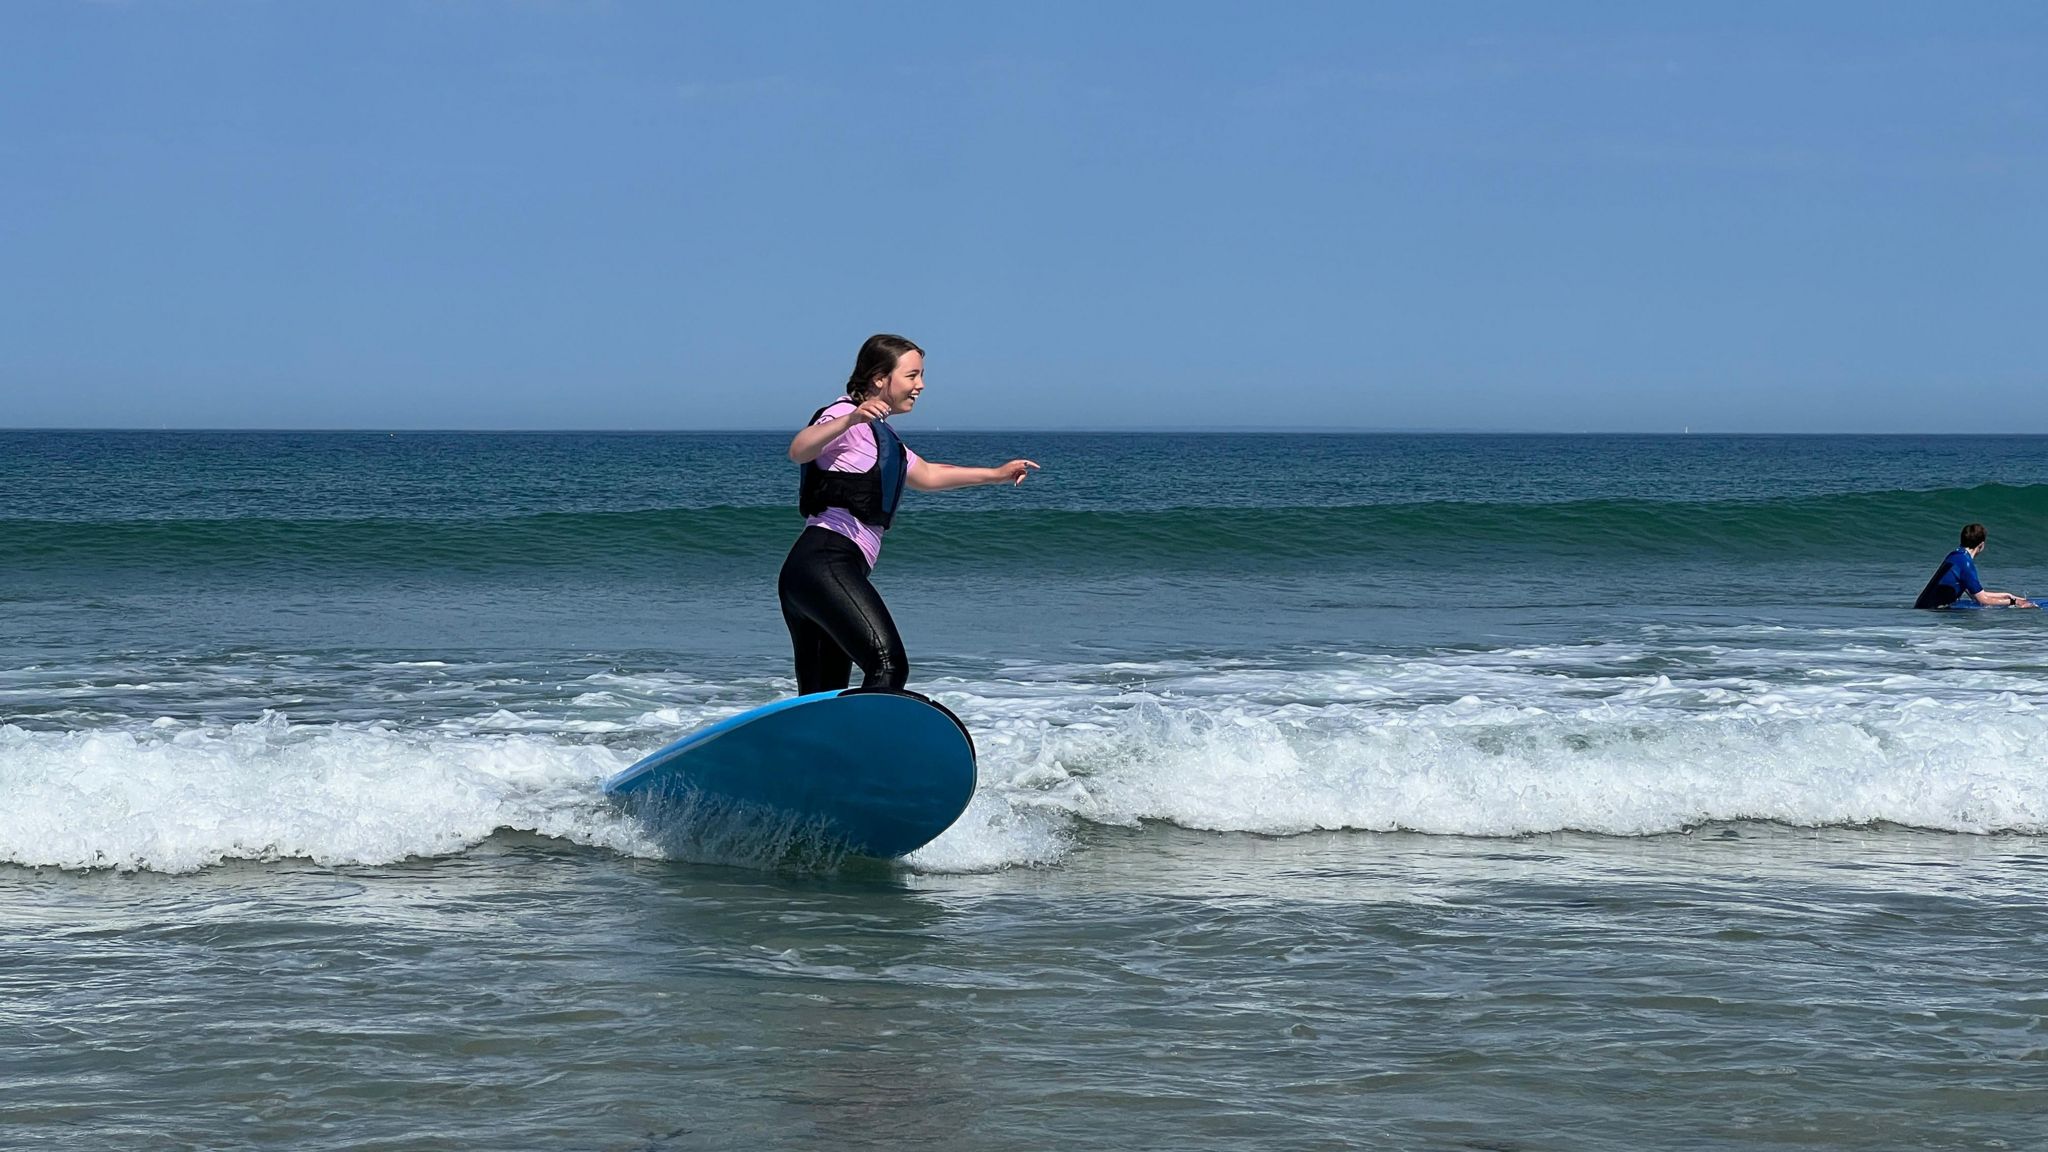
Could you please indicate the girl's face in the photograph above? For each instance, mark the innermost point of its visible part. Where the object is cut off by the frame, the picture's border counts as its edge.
(903, 385)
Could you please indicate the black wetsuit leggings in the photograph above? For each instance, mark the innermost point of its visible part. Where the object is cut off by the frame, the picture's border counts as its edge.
(836, 618)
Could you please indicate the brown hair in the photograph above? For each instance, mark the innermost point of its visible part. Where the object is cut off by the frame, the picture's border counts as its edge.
(1973, 535)
(877, 360)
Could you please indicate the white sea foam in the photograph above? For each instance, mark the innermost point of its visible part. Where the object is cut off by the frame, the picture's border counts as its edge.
(177, 798)
(1474, 768)
(1485, 744)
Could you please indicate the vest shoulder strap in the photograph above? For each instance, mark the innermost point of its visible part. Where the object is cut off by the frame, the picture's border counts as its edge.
(821, 411)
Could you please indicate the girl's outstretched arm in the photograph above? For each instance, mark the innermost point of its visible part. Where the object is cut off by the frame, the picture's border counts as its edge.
(930, 476)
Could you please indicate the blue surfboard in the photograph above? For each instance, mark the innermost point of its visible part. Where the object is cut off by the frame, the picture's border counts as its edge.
(866, 772)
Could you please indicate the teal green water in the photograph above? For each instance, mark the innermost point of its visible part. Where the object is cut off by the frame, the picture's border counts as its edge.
(1861, 526)
(1429, 791)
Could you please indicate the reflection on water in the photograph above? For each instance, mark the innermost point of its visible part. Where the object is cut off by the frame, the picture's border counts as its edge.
(1742, 984)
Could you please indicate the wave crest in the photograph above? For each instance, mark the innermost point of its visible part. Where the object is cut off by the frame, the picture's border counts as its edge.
(1848, 526)
(175, 797)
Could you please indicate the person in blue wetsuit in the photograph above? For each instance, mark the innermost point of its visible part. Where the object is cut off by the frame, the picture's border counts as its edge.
(1956, 579)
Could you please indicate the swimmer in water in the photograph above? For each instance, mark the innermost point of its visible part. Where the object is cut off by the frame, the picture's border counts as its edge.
(1956, 579)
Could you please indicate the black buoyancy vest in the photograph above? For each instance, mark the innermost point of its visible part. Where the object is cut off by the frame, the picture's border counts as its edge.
(871, 496)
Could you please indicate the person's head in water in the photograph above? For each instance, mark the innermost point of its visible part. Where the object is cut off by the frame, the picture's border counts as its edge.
(1973, 538)
(889, 368)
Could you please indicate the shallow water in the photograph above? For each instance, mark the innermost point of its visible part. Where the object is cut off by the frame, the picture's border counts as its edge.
(1736, 987)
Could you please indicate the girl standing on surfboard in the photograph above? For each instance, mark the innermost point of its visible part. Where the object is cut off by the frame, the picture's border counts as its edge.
(855, 469)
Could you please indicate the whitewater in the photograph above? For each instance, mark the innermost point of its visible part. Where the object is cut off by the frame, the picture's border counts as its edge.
(1919, 731)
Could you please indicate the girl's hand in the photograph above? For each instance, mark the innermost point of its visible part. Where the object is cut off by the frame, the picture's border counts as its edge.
(870, 411)
(1014, 472)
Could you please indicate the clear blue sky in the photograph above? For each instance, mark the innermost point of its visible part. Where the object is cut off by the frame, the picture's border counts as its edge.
(1629, 217)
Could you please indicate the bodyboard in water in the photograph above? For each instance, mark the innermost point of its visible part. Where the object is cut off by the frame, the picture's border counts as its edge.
(873, 773)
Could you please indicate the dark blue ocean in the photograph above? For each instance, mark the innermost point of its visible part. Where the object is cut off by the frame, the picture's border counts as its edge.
(1456, 792)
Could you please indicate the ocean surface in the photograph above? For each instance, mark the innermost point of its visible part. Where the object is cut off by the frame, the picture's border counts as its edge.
(1416, 792)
